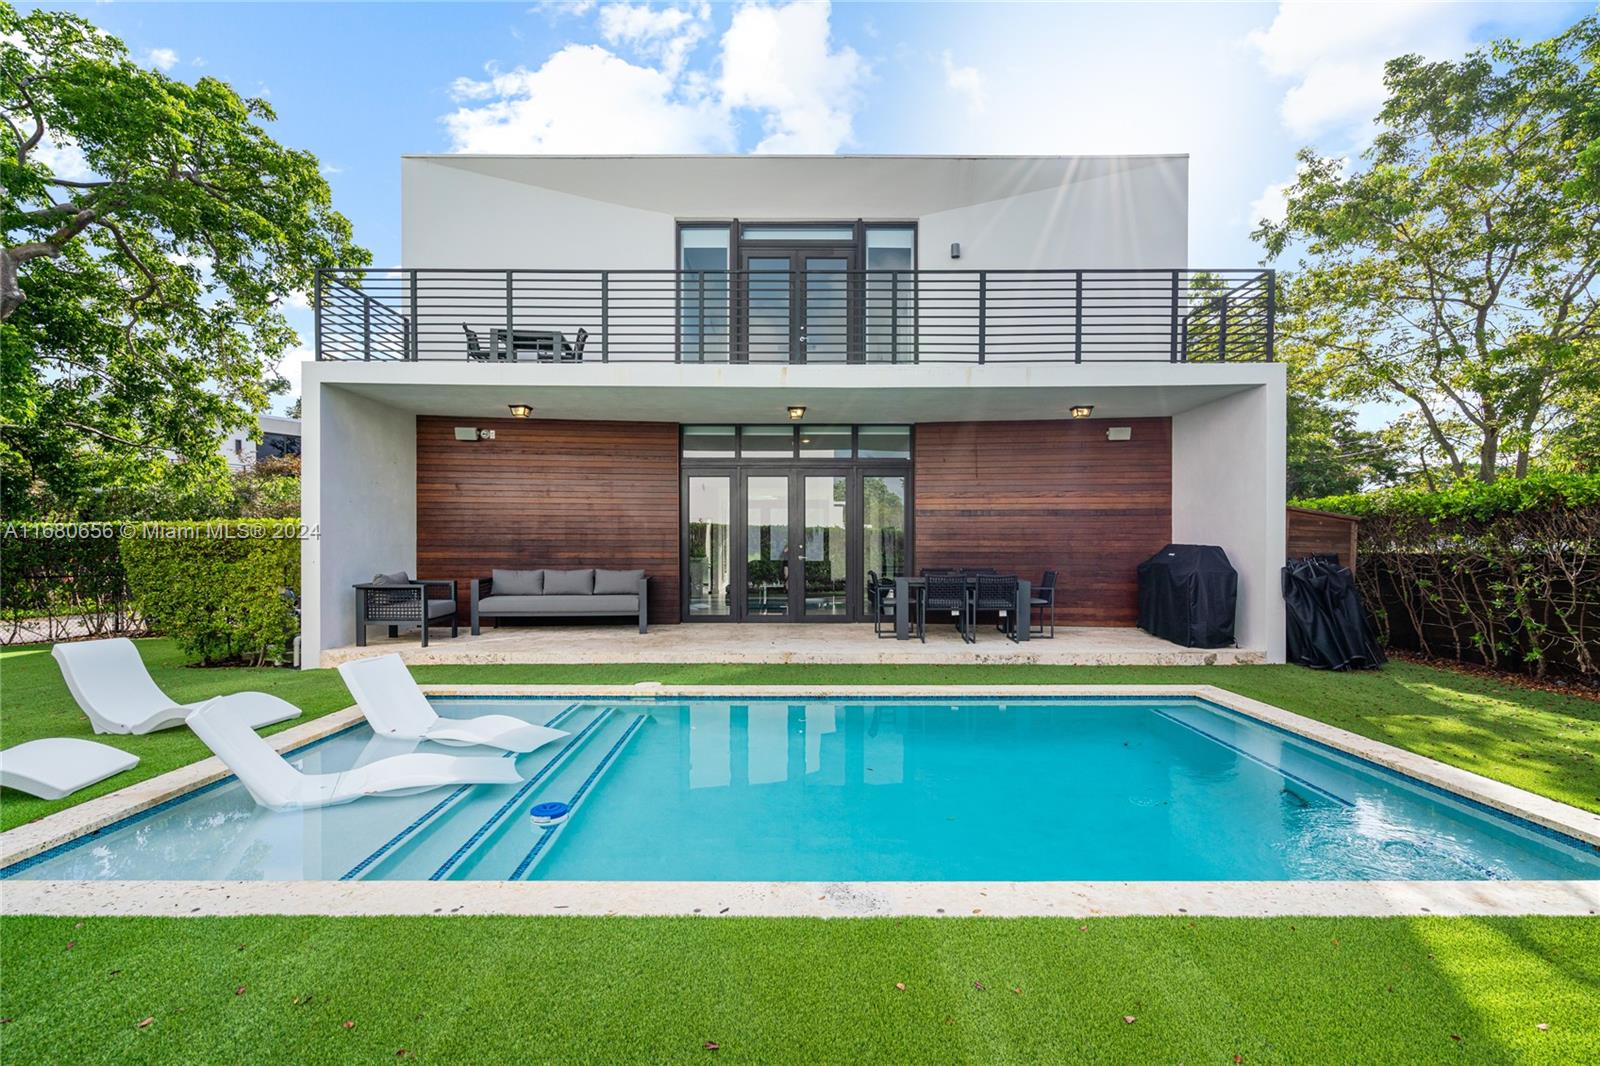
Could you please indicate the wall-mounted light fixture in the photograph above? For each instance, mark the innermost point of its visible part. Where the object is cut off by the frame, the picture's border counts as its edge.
(520, 410)
(955, 250)
(1119, 433)
(1082, 410)
(796, 413)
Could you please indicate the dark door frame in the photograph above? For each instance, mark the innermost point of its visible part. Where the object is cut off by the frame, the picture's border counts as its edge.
(797, 253)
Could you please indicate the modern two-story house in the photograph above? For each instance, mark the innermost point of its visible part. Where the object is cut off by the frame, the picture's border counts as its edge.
(761, 378)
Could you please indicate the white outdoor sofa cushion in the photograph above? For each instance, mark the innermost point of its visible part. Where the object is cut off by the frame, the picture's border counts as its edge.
(275, 784)
(59, 766)
(110, 683)
(396, 707)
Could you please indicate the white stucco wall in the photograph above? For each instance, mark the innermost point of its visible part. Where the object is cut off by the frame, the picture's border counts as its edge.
(1228, 489)
(546, 212)
(359, 490)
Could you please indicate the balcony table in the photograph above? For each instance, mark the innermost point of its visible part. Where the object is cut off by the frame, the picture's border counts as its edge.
(902, 604)
(548, 345)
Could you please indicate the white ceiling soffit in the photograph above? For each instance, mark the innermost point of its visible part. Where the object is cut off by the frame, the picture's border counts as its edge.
(799, 186)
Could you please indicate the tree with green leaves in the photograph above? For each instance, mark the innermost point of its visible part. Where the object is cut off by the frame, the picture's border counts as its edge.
(1456, 266)
(152, 232)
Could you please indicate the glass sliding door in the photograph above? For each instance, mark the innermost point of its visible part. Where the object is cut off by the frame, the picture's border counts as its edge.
(767, 546)
(827, 549)
(709, 581)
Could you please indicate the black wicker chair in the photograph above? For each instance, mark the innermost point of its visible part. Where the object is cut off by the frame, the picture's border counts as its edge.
(946, 592)
(396, 601)
(881, 602)
(1042, 598)
(999, 595)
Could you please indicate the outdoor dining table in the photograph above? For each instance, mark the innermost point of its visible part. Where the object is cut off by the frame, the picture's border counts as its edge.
(546, 344)
(903, 587)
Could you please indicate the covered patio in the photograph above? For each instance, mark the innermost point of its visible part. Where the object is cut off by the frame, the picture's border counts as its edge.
(787, 643)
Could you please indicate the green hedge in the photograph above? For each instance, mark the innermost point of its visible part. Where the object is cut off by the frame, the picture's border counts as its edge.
(1472, 501)
(217, 587)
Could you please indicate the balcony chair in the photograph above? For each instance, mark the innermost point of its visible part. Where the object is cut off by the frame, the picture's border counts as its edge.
(997, 594)
(476, 352)
(946, 592)
(574, 352)
(395, 600)
(881, 602)
(1041, 599)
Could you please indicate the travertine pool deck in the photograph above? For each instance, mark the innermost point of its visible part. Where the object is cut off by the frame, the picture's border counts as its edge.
(816, 899)
(716, 642)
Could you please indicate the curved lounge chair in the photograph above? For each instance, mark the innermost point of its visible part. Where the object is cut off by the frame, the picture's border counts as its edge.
(110, 683)
(396, 707)
(57, 767)
(274, 783)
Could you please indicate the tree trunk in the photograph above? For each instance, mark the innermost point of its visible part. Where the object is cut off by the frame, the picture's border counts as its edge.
(1489, 455)
(10, 292)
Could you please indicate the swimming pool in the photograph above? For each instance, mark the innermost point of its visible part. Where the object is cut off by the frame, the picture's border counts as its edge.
(853, 789)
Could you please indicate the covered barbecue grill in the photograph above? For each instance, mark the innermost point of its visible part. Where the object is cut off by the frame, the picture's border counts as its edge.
(1188, 594)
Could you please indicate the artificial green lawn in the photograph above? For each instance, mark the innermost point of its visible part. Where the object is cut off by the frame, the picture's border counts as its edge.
(1540, 741)
(608, 990)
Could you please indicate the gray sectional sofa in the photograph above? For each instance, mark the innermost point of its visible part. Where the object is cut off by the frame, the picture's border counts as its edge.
(561, 594)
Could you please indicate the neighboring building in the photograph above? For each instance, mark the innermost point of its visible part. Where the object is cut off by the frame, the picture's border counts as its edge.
(280, 436)
(938, 320)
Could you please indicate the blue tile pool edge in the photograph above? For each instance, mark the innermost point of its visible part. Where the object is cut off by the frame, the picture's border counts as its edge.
(1557, 835)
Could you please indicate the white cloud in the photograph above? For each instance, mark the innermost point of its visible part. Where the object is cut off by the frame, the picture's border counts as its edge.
(162, 58)
(1270, 205)
(1333, 54)
(554, 9)
(665, 34)
(64, 158)
(584, 99)
(964, 81)
(289, 368)
(779, 60)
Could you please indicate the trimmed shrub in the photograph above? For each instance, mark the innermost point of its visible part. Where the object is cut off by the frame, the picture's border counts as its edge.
(63, 580)
(1505, 574)
(217, 587)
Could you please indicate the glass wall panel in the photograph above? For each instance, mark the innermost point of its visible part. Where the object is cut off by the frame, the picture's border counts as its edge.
(767, 546)
(708, 442)
(890, 310)
(883, 524)
(767, 442)
(825, 442)
(885, 442)
(704, 294)
(710, 578)
(826, 553)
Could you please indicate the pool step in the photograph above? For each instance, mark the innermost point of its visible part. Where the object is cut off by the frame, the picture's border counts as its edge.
(549, 833)
(419, 848)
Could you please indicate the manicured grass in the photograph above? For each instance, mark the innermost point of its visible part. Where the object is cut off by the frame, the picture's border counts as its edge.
(802, 990)
(1540, 741)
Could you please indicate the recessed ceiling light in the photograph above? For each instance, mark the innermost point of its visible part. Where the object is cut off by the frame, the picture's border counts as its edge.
(520, 410)
(1082, 410)
(796, 413)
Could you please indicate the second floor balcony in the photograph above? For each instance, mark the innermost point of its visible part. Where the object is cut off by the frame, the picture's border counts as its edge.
(816, 314)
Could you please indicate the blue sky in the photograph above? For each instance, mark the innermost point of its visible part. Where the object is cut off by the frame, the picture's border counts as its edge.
(1237, 86)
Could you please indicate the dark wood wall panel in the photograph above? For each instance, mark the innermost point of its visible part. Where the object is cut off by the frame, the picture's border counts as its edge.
(1321, 533)
(563, 495)
(1024, 497)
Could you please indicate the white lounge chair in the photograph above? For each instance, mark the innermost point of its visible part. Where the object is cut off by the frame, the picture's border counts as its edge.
(111, 684)
(269, 778)
(396, 707)
(59, 766)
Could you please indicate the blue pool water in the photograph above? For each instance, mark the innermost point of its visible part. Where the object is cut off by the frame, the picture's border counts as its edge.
(854, 789)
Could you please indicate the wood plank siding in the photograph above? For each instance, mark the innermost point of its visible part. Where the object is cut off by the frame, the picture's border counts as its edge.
(556, 494)
(1321, 533)
(1024, 497)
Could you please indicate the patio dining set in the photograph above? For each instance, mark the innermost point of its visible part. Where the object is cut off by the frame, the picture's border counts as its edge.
(962, 596)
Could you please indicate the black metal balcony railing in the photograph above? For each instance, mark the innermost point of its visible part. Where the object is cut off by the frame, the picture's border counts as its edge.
(756, 316)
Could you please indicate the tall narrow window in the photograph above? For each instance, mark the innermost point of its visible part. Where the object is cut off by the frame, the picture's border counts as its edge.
(710, 577)
(883, 524)
(703, 294)
(890, 310)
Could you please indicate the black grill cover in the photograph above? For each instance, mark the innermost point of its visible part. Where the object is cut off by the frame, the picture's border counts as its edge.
(1188, 594)
(1328, 626)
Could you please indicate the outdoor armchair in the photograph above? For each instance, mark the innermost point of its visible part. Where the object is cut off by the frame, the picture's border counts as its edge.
(946, 593)
(394, 600)
(1043, 599)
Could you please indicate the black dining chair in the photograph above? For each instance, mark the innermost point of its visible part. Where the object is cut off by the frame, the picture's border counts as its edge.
(881, 602)
(1042, 598)
(475, 350)
(946, 593)
(997, 594)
